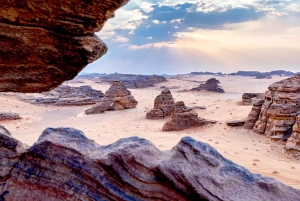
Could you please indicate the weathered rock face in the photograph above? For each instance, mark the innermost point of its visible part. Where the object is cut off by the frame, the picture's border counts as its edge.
(254, 114)
(279, 109)
(129, 80)
(163, 105)
(44, 43)
(293, 143)
(182, 117)
(9, 116)
(117, 97)
(247, 97)
(65, 165)
(210, 85)
(67, 96)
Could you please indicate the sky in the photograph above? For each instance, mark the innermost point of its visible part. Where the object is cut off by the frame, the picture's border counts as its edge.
(182, 36)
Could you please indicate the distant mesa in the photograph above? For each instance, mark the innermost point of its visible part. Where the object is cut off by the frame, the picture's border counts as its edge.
(163, 104)
(210, 85)
(9, 116)
(182, 117)
(248, 97)
(278, 112)
(65, 95)
(117, 97)
(129, 80)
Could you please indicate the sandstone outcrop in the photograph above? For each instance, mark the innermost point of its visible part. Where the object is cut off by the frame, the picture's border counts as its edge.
(280, 108)
(254, 114)
(247, 97)
(44, 43)
(129, 80)
(117, 97)
(65, 165)
(65, 95)
(210, 85)
(293, 143)
(236, 123)
(9, 116)
(163, 105)
(182, 117)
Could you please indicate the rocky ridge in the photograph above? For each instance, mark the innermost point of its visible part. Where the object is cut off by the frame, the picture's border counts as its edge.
(44, 43)
(210, 85)
(117, 97)
(163, 105)
(182, 117)
(65, 165)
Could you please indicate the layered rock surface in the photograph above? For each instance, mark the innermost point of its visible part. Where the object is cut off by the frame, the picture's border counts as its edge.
(44, 43)
(65, 95)
(182, 117)
(280, 108)
(117, 97)
(65, 165)
(293, 143)
(254, 114)
(210, 85)
(163, 105)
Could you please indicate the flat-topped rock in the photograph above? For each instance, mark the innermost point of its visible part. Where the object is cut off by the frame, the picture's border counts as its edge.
(9, 116)
(65, 165)
(44, 43)
(65, 95)
(210, 85)
(117, 97)
(182, 117)
(236, 123)
(163, 105)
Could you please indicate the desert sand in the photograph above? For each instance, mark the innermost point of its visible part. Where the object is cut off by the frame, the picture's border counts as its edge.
(253, 151)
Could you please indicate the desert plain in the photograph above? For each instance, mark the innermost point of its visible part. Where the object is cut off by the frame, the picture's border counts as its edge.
(255, 152)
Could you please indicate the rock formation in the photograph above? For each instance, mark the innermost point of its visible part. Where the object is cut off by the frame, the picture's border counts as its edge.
(247, 97)
(163, 105)
(117, 97)
(210, 85)
(129, 80)
(9, 116)
(44, 43)
(279, 109)
(182, 117)
(65, 95)
(65, 165)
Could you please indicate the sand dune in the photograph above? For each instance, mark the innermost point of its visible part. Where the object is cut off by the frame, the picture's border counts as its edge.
(255, 152)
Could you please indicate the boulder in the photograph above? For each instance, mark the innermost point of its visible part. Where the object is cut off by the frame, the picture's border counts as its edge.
(9, 116)
(116, 97)
(163, 104)
(44, 43)
(247, 97)
(182, 117)
(210, 85)
(65, 165)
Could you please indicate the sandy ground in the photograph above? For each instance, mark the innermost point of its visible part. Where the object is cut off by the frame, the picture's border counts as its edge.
(255, 152)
